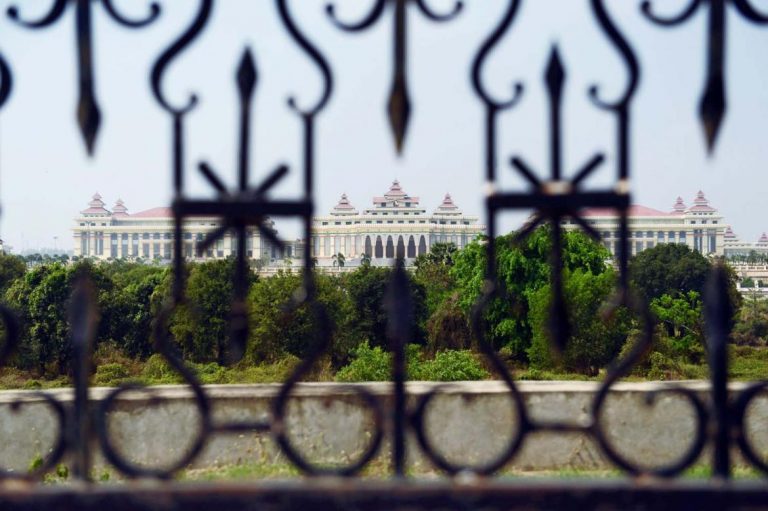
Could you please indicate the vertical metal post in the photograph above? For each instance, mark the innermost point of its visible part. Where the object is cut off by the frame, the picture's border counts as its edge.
(399, 313)
(718, 313)
(83, 320)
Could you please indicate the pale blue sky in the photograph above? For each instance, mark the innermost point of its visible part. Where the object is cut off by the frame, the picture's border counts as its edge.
(45, 176)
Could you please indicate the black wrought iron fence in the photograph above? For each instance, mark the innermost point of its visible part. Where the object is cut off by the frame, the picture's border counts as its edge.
(719, 420)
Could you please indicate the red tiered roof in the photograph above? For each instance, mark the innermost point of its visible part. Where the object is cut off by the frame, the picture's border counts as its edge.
(634, 210)
(344, 204)
(701, 204)
(447, 204)
(161, 212)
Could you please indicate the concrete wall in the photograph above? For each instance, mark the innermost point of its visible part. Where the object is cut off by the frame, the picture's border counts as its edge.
(470, 422)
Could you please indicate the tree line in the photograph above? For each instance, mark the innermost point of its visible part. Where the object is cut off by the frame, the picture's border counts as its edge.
(444, 286)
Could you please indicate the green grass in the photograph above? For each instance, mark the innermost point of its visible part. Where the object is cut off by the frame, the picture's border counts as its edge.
(746, 363)
(381, 470)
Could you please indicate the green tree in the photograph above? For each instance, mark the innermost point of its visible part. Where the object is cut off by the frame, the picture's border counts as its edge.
(339, 260)
(439, 253)
(752, 324)
(682, 323)
(523, 269)
(42, 297)
(668, 269)
(202, 328)
(367, 287)
(135, 287)
(595, 341)
(12, 268)
(447, 327)
(433, 271)
(277, 328)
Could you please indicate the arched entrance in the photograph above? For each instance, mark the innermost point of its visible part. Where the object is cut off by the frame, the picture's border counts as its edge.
(379, 248)
(400, 248)
(368, 246)
(390, 247)
(411, 247)
(422, 245)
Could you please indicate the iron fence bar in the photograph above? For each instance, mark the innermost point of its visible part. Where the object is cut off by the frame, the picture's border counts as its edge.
(713, 101)
(720, 421)
(342, 495)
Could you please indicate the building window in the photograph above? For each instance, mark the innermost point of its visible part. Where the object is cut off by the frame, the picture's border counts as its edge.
(682, 237)
(638, 247)
(639, 234)
(660, 236)
(671, 235)
(649, 234)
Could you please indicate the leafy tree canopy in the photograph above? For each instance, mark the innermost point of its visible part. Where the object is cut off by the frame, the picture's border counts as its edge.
(523, 269)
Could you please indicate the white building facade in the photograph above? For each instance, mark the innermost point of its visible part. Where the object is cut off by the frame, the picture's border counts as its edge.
(103, 234)
(700, 227)
(396, 226)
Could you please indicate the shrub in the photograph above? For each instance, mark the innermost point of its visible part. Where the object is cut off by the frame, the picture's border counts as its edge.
(266, 373)
(368, 364)
(452, 365)
(157, 370)
(447, 327)
(211, 373)
(108, 375)
(375, 364)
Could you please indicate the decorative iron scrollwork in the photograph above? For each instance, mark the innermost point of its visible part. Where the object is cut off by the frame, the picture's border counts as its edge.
(88, 110)
(399, 102)
(720, 420)
(713, 102)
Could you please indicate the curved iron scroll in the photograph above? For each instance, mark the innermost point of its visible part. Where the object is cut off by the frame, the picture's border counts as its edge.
(88, 110)
(399, 102)
(553, 200)
(713, 102)
(244, 207)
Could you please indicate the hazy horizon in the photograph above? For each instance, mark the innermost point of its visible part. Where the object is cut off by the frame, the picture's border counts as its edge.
(46, 177)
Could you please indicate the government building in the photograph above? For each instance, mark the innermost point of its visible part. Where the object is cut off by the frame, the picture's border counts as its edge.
(118, 234)
(396, 226)
(699, 226)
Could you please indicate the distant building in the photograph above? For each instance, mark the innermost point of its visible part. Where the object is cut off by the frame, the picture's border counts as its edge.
(116, 234)
(396, 226)
(700, 227)
(736, 249)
